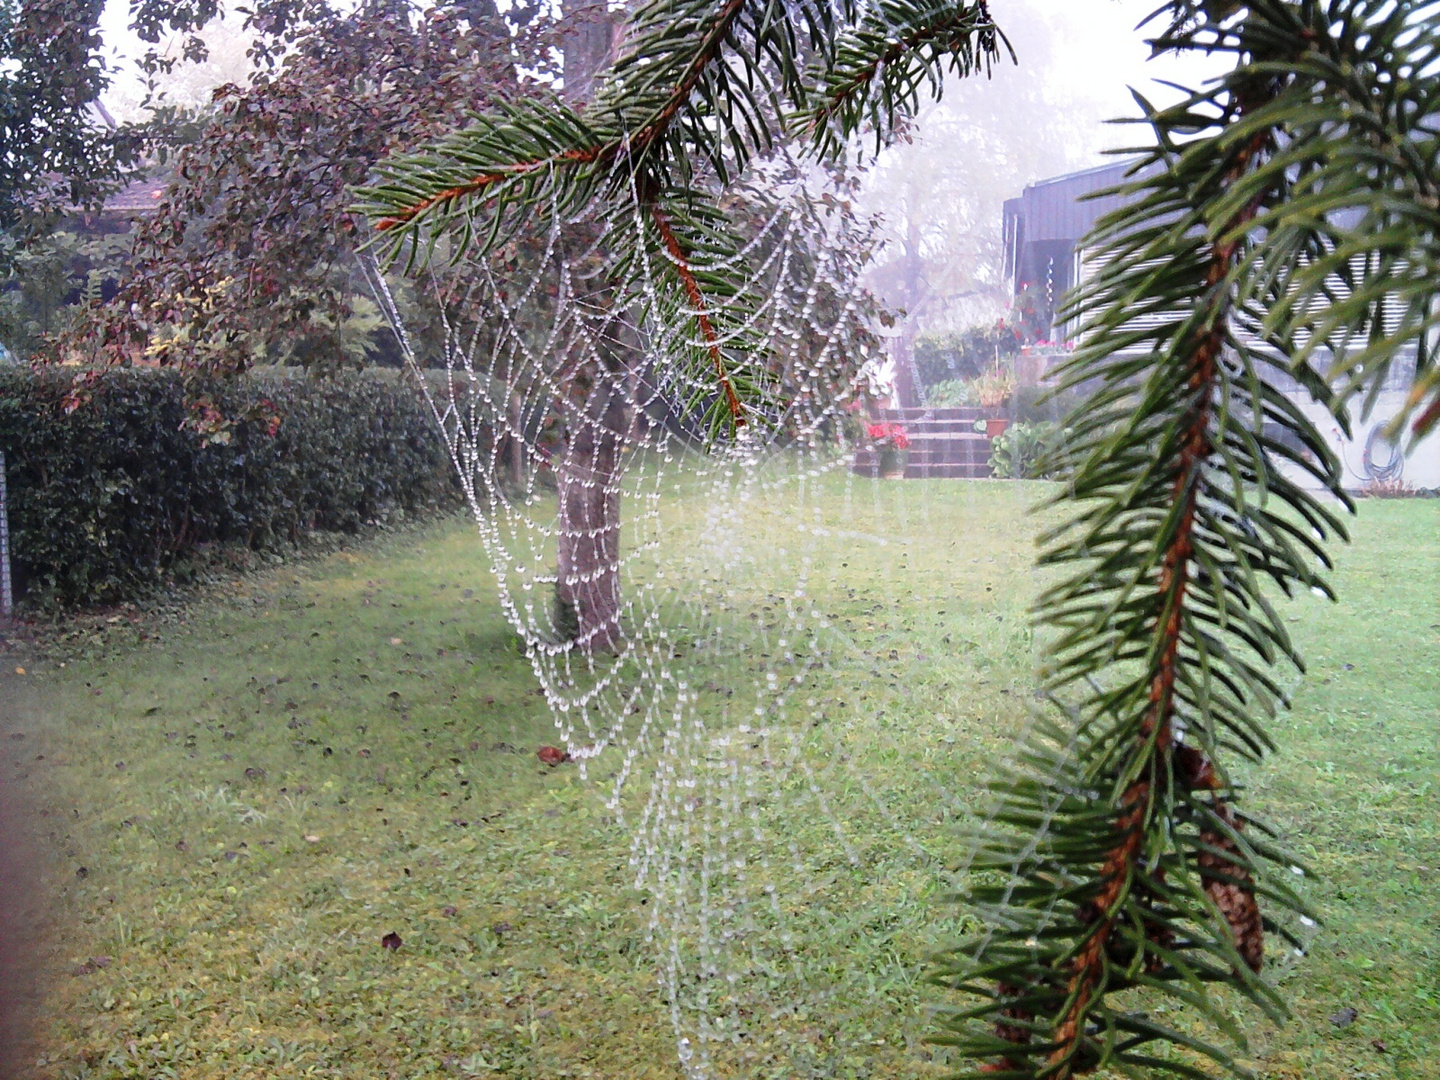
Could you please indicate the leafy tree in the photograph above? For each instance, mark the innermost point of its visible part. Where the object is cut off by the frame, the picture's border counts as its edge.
(50, 275)
(250, 255)
(54, 153)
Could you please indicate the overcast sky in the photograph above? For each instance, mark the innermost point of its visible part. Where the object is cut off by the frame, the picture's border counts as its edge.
(1094, 54)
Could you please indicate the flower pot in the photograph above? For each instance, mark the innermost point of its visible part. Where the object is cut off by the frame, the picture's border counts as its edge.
(996, 426)
(892, 463)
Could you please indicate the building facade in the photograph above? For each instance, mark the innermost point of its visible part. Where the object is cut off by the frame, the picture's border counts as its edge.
(1044, 232)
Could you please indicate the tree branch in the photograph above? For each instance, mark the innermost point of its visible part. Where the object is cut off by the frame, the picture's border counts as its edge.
(1231, 888)
(621, 148)
(698, 309)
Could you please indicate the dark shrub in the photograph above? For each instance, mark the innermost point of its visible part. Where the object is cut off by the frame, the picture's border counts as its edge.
(111, 498)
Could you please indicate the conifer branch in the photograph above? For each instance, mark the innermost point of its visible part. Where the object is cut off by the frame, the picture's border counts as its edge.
(618, 149)
(702, 87)
(477, 184)
(1280, 226)
(878, 67)
(1156, 734)
(681, 262)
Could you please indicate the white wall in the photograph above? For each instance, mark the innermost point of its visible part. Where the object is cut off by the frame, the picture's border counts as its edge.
(1419, 467)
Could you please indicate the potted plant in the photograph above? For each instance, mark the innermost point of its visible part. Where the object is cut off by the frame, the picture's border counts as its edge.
(892, 447)
(993, 390)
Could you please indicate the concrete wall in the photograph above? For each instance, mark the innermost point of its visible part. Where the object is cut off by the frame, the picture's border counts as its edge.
(1419, 468)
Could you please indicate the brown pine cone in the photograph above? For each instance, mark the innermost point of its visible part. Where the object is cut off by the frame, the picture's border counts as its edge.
(1232, 892)
(1014, 1033)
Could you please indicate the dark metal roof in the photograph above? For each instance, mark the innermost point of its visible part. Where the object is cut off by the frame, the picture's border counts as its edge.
(137, 197)
(1056, 209)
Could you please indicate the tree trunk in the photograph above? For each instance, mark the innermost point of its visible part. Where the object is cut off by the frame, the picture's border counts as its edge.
(907, 383)
(587, 45)
(588, 473)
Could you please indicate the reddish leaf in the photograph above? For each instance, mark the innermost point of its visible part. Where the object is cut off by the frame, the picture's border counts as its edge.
(552, 755)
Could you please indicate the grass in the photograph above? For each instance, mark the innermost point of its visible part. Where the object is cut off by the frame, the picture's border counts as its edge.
(238, 803)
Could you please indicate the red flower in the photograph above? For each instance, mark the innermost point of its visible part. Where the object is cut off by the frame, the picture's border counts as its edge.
(894, 434)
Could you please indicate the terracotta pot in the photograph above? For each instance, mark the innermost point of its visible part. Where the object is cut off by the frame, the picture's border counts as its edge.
(892, 463)
(995, 426)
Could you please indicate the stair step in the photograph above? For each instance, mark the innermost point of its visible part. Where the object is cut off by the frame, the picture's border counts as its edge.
(925, 466)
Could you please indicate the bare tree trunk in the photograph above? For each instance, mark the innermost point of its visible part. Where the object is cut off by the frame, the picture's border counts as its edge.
(595, 418)
(587, 45)
(588, 473)
(907, 383)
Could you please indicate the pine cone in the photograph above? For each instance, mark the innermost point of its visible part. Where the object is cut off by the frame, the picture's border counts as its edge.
(1231, 892)
(1015, 1033)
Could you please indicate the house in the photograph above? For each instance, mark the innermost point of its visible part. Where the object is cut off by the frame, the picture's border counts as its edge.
(1044, 230)
(136, 200)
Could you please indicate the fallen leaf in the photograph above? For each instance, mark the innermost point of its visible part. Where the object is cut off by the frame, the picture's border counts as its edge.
(391, 941)
(1378, 1045)
(552, 755)
(19, 671)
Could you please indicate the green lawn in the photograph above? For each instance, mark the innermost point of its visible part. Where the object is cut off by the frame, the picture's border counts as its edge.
(261, 789)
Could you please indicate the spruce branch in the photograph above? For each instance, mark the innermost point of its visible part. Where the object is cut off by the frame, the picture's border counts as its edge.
(1121, 873)
(549, 117)
(1261, 238)
(681, 261)
(879, 67)
(1281, 224)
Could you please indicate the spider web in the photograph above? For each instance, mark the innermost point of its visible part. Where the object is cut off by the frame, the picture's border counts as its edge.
(726, 724)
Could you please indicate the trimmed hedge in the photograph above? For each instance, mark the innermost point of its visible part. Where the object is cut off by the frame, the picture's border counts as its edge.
(109, 500)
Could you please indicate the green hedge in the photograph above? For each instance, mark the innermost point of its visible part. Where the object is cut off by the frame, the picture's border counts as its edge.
(109, 500)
